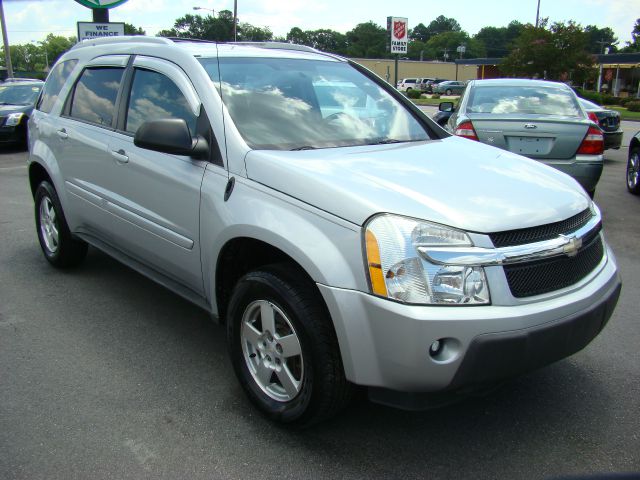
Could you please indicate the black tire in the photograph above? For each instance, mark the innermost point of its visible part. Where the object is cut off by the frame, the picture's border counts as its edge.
(323, 388)
(633, 171)
(448, 92)
(67, 251)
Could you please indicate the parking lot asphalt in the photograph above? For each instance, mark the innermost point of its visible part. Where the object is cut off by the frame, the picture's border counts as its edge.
(104, 374)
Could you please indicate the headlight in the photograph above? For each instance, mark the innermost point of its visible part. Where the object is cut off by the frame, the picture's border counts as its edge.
(13, 119)
(398, 271)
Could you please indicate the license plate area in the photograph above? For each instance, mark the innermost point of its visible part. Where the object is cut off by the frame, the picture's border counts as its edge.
(530, 145)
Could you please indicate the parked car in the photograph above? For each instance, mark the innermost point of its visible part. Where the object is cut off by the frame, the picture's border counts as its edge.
(607, 120)
(633, 165)
(450, 87)
(342, 238)
(16, 104)
(407, 84)
(538, 119)
(431, 83)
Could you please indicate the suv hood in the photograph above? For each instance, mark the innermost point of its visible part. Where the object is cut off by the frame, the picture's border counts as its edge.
(454, 181)
(7, 109)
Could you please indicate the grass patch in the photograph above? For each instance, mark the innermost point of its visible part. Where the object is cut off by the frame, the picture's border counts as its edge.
(434, 102)
(624, 113)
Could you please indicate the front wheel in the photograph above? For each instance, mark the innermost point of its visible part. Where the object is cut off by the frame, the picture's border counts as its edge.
(448, 92)
(60, 248)
(633, 171)
(284, 349)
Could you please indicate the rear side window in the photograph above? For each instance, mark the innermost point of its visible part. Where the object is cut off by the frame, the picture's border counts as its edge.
(54, 84)
(154, 96)
(94, 98)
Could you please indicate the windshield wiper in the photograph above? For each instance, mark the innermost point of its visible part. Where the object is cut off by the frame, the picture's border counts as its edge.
(386, 141)
(304, 147)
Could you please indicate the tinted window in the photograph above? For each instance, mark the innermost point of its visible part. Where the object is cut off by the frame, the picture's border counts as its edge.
(54, 84)
(95, 95)
(155, 96)
(537, 100)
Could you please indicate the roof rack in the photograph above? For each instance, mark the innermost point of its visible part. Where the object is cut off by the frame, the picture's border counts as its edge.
(186, 39)
(278, 46)
(123, 39)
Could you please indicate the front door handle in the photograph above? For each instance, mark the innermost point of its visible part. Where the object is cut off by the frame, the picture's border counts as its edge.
(62, 133)
(120, 156)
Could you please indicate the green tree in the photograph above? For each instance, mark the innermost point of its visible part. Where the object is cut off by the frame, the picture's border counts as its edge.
(558, 52)
(419, 33)
(498, 41)
(130, 29)
(203, 27)
(367, 40)
(56, 46)
(448, 42)
(596, 35)
(296, 35)
(441, 24)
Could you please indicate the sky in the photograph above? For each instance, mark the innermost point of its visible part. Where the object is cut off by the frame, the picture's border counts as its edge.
(32, 20)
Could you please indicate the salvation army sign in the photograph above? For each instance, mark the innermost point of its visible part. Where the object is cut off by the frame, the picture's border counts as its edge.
(398, 31)
(100, 3)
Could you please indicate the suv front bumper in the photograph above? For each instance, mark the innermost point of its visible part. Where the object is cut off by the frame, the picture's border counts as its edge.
(386, 344)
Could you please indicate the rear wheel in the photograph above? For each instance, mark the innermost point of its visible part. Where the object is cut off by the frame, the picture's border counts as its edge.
(633, 171)
(448, 92)
(283, 347)
(57, 243)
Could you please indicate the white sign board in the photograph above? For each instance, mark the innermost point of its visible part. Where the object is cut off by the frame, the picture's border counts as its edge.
(399, 30)
(91, 30)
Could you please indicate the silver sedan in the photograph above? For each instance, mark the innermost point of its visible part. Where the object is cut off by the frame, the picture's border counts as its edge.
(538, 119)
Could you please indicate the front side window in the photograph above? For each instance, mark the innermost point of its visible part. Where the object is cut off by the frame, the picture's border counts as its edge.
(289, 104)
(154, 96)
(94, 98)
(536, 100)
(55, 82)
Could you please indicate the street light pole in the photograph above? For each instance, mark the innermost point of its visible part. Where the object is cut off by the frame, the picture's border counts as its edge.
(235, 20)
(5, 40)
(602, 44)
(538, 14)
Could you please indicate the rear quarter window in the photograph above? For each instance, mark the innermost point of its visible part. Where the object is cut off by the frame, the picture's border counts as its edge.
(55, 82)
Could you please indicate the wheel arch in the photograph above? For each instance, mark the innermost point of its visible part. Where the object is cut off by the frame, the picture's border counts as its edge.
(635, 142)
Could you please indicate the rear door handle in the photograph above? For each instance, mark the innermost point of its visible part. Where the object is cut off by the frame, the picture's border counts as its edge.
(63, 134)
(120, 156)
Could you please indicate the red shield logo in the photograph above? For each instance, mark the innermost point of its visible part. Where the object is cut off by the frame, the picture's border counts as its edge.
(399, 29)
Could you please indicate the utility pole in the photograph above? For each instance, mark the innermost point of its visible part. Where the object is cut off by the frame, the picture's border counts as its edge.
(538, 15)
(5, 40)
(602, 44)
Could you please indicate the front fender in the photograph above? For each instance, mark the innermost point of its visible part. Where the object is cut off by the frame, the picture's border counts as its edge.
(327, 248)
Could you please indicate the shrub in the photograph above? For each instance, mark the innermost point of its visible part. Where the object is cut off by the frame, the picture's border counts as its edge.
(589, 95)
(414, 93)
(610, 100)
(633, 106)
(435, 96)
(625, 101)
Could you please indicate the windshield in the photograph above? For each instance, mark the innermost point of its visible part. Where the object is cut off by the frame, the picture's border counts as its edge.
(19, 94)
(293, 104)
(538, 100)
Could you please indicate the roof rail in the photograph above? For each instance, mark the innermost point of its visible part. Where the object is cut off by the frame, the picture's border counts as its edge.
(186, 39)
(278, 45)
(122, 39)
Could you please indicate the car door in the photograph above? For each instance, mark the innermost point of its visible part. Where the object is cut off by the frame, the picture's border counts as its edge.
(81, 143)
(155, 196)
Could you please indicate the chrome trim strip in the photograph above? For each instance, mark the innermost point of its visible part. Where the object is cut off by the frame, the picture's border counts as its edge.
(478, 256)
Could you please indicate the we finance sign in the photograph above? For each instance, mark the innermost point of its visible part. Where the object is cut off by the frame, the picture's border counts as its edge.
(92, 30)
(398, 30)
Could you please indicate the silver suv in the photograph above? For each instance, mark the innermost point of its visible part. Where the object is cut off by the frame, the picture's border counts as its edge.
(341, 236)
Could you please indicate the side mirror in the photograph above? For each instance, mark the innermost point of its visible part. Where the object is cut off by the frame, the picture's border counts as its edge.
(446, 107)
(170, 135)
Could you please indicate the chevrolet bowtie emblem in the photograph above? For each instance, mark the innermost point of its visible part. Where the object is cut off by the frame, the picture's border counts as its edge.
(570, 249)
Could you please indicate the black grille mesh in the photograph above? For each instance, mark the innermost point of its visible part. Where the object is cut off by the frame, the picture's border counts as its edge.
(542, 276)
(541, 233)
